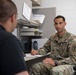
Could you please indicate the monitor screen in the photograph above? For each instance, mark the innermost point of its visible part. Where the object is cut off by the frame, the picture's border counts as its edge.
(26, 11)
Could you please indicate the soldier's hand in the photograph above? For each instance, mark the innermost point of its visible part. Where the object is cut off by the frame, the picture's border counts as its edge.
(34, 52)
(49, 61)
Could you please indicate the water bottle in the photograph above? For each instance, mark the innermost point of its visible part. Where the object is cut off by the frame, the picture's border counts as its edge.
(35, 45)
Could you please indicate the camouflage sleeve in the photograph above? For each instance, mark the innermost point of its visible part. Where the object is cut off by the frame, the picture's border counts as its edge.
(71, 59)
(46, 48)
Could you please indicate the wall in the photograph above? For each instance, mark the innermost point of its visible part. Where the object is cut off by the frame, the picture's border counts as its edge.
(67, 8)
(47, 27)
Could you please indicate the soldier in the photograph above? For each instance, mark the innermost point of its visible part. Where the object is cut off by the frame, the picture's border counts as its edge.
(62, 48)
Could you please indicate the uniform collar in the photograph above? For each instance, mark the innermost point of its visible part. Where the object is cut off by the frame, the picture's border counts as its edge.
(61, 39)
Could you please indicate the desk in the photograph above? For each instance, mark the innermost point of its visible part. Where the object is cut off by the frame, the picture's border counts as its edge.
(34, 59)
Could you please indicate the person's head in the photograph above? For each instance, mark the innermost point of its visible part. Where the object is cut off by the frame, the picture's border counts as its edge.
(59, 23)
(8, 14)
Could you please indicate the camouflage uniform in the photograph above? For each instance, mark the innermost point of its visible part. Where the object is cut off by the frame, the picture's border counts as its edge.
(62, 51)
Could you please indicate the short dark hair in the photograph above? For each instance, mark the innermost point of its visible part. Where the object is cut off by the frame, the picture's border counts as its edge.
(7, 9)
(59, 16)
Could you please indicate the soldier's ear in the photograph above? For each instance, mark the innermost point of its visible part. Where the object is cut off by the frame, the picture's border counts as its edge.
(65, 23)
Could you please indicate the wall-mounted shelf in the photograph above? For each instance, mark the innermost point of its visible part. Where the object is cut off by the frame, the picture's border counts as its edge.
(28, 23)
(26, 28)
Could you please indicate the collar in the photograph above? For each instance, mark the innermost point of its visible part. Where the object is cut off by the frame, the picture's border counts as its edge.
(61, 39)
(1, 27)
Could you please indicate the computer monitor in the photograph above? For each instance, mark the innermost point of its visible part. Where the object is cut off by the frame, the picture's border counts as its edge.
(26, 11)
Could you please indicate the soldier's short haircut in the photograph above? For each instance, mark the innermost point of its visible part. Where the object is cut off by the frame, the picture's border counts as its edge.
(7, 9)
(59, 16)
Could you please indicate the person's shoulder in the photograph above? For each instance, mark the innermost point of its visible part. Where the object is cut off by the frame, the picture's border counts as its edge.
(5, 34)
(53, 36)
(71, 35)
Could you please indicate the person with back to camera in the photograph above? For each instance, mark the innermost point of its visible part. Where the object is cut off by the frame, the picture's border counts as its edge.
(11, 56)
(62, 48)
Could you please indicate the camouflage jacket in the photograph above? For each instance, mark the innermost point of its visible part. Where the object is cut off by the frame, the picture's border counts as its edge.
(62, 49)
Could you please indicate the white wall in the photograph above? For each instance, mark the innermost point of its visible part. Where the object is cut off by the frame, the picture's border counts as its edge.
(67, 8)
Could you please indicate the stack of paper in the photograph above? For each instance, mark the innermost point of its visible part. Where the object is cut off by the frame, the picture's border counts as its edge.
(27, 29)
(30, 32)
(39, 18)
(29, 56)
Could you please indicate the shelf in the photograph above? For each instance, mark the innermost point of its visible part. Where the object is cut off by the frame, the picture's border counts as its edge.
(36, 2)
(30, 32)
(26, 28)
(28, 24)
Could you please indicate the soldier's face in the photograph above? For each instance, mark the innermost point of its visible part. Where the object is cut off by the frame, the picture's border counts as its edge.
(59, 25)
